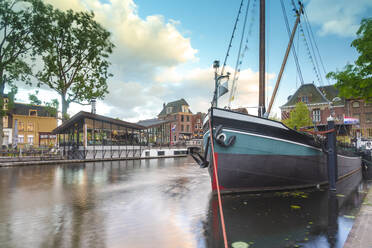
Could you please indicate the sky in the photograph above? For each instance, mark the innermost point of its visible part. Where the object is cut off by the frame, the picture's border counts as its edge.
(165, 50)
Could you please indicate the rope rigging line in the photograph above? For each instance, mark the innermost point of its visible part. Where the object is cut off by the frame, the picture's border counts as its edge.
(217, 184)
(316, 46)
(312, 49)
(241, 55)
(232, 37)
(311, 57)
(293, 50)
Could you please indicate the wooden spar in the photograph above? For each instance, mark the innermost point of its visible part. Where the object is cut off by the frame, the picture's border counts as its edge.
(284, 62)
(261, 96)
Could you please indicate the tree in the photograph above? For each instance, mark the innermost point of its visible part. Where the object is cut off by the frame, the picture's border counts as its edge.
(51, 107)
(74, 49)
(18, 23)
(299, 117)
(355, 81)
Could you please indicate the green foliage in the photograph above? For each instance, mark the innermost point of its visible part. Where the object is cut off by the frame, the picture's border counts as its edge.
(51, 107)
(17, 26)
(355, 81)
(74, 50)
(34, 100)
(299, 117)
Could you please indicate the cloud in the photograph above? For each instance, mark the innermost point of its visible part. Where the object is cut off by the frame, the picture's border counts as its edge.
(144, 46)
(197, 85)
(340, 17)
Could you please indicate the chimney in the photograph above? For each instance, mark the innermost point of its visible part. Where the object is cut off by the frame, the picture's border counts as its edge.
(164, 105)
(93, 105)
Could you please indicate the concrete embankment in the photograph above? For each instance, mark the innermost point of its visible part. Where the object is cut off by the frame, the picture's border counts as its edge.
(70, 161)
(360, 235)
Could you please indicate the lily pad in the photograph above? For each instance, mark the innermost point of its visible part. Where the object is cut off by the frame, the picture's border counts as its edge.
(295, 207)
(239, 244)
(349, 216)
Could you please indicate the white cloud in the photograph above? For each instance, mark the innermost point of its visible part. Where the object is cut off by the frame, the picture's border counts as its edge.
(143, 47)
(197, 85)
(341, 17)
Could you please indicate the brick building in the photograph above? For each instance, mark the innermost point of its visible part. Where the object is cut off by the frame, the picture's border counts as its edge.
(197, 125)
(180, 115)
(361, 110)
(318, 101)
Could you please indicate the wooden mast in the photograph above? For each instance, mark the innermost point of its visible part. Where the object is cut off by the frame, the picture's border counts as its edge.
(261, 97)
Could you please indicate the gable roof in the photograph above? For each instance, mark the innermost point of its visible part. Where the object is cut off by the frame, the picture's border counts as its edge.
(330, 92)
(314, 93)
(176, 107)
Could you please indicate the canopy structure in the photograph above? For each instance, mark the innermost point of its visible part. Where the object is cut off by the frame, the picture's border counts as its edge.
(88, 135)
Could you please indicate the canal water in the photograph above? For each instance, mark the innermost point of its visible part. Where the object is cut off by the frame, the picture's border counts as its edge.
(163, 203)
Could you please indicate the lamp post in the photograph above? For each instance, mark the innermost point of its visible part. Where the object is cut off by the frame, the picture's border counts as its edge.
(217, 79)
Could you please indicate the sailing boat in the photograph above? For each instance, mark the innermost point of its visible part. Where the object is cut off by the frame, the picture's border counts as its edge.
(254, 153)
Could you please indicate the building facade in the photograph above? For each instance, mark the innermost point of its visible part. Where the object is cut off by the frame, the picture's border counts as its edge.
(362, 111)
(321, 101)
(180, 117)
(197, 125)
(26, 125)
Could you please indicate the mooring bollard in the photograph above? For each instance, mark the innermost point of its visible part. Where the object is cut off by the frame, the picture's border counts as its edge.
(331, 154)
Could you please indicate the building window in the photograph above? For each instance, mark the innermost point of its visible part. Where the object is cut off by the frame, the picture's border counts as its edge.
(169, 110)
(21, 139)
(369, 132)
(356, 104)
(5, 121)
(316, 115)
(304, 99)
(188, 128)
(30, 139)
(356, 116)
(185, 109)
(32, 112)
(368, 104)
(188, 118)
(21, 125)
(182, 118)
(175, 117)
(30, 126)
(368, 117)
(181, 128)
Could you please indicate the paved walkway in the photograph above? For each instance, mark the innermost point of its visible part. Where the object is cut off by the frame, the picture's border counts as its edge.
(360, 235)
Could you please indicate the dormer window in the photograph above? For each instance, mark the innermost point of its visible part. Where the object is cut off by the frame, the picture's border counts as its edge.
(32, 112)
(356, 104)
(185, 109)
(304, 99)
(169, 110)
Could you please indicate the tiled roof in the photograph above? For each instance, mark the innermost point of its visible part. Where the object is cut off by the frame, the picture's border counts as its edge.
(176, 107)
(323, 94)
(330, 92)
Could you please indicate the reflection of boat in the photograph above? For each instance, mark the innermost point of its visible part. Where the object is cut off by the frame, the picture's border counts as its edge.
(253, 153)
(309, 219)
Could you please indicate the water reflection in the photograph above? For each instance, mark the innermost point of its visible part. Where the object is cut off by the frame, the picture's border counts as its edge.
(161, 203)
(288, 219)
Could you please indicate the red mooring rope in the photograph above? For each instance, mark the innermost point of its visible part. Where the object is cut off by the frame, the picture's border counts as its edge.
(218, 186)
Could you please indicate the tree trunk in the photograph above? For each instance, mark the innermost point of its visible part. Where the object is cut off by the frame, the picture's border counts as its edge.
(65, 105)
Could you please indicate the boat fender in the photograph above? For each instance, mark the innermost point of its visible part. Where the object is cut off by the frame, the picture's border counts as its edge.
(221, 137)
